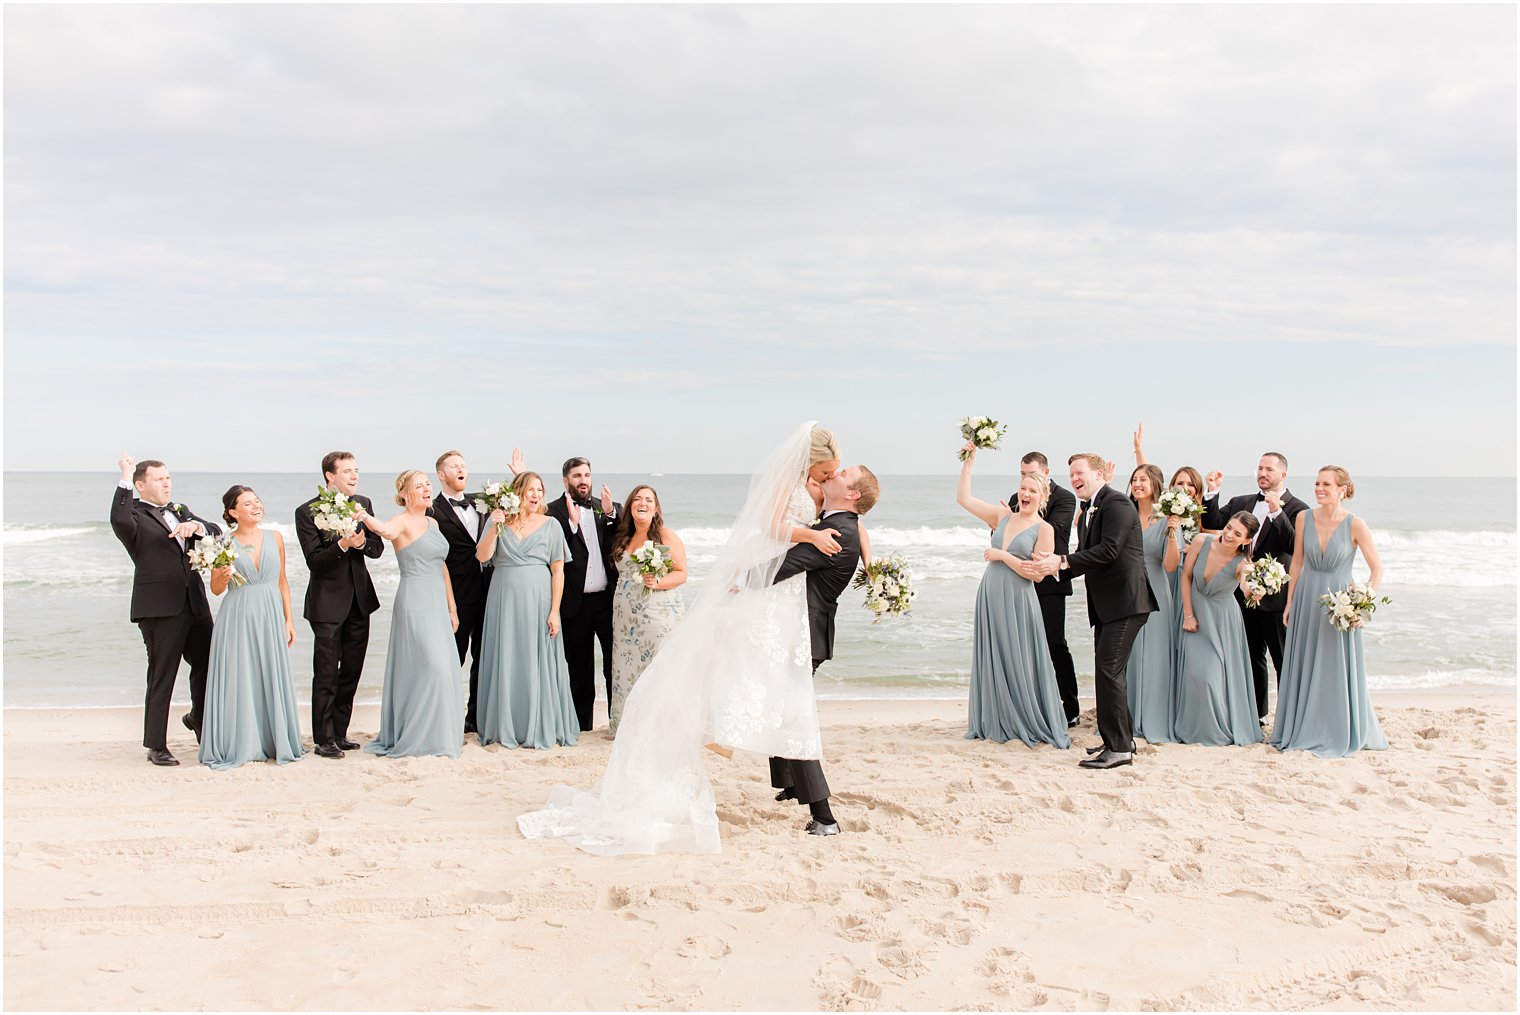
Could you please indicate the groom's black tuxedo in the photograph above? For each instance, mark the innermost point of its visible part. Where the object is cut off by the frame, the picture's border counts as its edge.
(587, 616)
(339, 599)
(827, 578)
(1119, 599)
(169, 607)
(472, 583)
(1264, 626)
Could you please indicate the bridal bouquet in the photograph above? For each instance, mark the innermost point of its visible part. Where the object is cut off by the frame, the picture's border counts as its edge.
(334, 513)
(498, 495)
(1266, 576)
(1176, 503)
(213, 552)
(889, 587)
(984, 432)
(651, 559)
(1352, 606)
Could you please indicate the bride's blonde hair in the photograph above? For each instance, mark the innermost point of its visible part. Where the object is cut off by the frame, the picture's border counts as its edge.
(821, 446)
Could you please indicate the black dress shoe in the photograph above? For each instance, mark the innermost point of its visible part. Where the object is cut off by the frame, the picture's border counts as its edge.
(469, 727)
(816, 827)
(162, 757)
(328, 750)
(1108, 759)
(1096, 750)
(348, 745)
(1072, 723)
(786, 794)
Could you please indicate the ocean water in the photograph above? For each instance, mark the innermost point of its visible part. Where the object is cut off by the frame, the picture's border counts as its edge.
(67, 582)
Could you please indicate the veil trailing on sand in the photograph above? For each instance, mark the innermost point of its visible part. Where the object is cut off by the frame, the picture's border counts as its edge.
(736, 671)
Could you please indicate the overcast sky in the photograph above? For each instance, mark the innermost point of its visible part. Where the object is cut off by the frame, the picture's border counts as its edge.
(238, 237)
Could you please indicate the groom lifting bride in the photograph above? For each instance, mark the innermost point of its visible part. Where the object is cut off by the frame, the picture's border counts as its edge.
(737, 673)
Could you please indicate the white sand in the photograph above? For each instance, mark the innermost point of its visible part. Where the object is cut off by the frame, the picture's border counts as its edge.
(969, 875)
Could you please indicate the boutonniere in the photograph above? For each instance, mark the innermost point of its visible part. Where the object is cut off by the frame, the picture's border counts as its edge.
(178, 509)
(596, 508)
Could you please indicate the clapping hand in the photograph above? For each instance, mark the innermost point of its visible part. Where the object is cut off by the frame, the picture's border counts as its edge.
(607, 505)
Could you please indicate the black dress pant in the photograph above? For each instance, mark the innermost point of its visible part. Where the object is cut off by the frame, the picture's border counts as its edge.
(337, 664)
(1053, 611)
(472, 625)
(804, 778)
(1264, 636)
(168, 640)
(1112, 642)
(591, 623)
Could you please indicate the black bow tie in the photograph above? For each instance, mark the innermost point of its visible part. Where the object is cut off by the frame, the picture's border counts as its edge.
(1261, 496)
(461, 503)
(584, 502)
(1086, 504)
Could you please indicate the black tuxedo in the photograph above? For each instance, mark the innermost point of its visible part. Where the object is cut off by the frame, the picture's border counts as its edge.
(169, 607)
(1053, 591)
(827, 578)
(1119, 599)
(586, 616)
(1264, 626)
(339, 599)
(471, 581)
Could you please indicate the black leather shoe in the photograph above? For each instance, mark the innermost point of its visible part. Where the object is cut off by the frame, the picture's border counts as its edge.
(162, 757)
(786, 794)
(1071, 724)
(348, 745)
(1108, 759)
(816, 827)
(469, 727)
(1096, 750)
(328, 750)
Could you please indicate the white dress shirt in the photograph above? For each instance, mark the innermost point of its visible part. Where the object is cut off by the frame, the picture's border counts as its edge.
(467, 515)
(596, 574)
(168, 517)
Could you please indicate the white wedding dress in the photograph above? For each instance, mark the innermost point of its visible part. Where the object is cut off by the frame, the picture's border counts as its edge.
(737, 671)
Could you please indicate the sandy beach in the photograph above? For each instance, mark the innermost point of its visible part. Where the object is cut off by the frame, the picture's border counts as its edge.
(969, 875)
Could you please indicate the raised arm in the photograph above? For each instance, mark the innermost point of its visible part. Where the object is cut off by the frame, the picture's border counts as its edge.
(1139, 435)
(987, 514)
(391, 530)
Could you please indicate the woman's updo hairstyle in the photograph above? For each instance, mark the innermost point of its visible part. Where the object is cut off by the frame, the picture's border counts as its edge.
(822, 447)
(1342, 478)
(230, 499)
(404, 481)
(1043, 482)
(1250, 523)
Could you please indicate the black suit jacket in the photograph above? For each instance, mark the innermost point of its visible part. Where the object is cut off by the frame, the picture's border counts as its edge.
(575, 567)
(470, 578)
(827, 577)
(1276, 535)
(338, 576)
(1059, 511)
(1113, 558)
(163, 582)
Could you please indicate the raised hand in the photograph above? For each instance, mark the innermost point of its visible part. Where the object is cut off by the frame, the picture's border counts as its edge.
(519, 463)
(1274, 502)
(968, 453)
(1214, 480)
(1139, 436)
(128, 465)
(607, 506)
(1108, 471)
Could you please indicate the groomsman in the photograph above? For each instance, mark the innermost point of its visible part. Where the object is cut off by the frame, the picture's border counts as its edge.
(339, 599)
(462, 525)
(168, 597)
(1276, 509)
(1119, 598)
(1054, 590)
(585, 609)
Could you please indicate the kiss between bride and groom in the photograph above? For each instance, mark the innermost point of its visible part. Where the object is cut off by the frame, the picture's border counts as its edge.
(736, 676)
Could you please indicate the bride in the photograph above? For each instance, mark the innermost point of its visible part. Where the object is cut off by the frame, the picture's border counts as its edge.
(736, 673)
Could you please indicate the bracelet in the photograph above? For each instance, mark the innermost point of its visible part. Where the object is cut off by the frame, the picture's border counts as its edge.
(1188, 616)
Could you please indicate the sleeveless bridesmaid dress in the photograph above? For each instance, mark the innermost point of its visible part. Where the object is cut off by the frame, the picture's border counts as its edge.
(1216, 699)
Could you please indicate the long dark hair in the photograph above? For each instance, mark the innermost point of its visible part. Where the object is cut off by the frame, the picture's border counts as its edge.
(1152, 473)
(623, 534)
(230, 499)
(1192, 474)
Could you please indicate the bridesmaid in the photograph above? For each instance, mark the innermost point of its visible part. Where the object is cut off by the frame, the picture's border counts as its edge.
(1322, 700)
(1013, 684)
(1186, 478)
(1153, 659)
(524, 693)
(250, 694)
(644, 608)
(421, 704)
(1216, 700)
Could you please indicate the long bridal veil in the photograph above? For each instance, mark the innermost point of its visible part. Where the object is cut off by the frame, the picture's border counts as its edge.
(736, 671)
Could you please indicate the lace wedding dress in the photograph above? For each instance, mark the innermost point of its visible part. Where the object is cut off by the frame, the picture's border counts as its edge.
(736, 671)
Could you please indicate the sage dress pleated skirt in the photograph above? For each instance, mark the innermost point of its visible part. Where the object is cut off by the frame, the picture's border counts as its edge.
(1216, 700)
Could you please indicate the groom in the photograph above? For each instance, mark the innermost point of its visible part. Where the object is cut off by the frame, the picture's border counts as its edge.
(847, 495)
(1119, 598)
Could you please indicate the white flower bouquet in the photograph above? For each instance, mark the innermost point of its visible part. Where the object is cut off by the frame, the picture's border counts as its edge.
(983, 431)
(651, 559)
(334, 513)
(498, 495)
(213, 552)
(889, 587)
(1176, 502)
(1352, 606)
(1267, 577)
